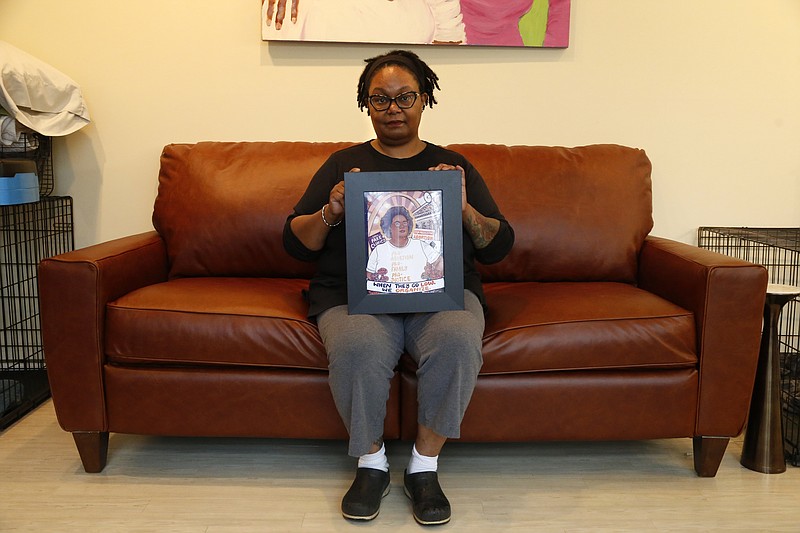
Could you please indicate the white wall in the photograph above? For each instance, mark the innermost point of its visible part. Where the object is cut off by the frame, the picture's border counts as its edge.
(709, 89)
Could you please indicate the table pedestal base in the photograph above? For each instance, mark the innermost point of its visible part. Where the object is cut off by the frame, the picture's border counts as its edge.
(762, 450)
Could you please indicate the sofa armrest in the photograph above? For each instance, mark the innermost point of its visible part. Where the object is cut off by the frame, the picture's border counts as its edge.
(726, 296)
(74, 289)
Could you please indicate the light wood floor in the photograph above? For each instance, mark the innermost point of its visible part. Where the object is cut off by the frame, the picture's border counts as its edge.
(242, 485)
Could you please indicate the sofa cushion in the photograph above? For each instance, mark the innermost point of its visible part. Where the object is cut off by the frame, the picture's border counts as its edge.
(221, 207)
(218, 321)
(531, 327)
(579, 214)
(540, 327)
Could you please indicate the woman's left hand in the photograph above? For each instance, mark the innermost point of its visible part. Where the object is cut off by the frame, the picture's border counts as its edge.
(444, 166)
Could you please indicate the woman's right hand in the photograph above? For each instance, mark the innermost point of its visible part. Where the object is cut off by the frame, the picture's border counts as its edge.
(336, 198)
(335, 208)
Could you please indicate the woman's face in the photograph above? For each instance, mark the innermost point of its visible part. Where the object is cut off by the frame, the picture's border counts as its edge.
(399, 229)
(395, 126)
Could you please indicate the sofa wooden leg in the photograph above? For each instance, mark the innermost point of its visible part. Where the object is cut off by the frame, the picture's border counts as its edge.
(708, 453)
(93, 449)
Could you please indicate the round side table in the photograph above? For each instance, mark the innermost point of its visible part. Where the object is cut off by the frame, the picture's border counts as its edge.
(762, 449)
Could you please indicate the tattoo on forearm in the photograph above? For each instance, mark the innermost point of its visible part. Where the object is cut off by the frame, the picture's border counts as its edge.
(481, 230)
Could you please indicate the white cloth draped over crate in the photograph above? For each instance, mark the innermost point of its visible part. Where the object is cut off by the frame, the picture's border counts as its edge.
(37, 96)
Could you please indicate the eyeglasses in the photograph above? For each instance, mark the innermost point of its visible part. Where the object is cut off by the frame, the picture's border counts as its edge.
(399, 224)
(381, 102)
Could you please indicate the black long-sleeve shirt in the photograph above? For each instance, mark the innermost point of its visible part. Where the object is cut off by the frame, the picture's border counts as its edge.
(328, 287)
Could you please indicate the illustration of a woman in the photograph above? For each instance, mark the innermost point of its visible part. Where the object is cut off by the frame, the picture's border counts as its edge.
(403, 259)
(379, 21)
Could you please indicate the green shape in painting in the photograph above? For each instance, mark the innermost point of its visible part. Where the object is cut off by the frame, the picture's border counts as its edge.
(533, 24)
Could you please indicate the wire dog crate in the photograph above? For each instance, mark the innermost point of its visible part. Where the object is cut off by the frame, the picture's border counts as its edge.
(28, 234)
(778, 249)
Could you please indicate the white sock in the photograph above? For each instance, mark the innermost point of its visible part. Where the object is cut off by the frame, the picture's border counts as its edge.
(422, 463)
(377, 460)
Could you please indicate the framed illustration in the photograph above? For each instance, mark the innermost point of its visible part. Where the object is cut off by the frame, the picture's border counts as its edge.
(404, 241)
(525, 23)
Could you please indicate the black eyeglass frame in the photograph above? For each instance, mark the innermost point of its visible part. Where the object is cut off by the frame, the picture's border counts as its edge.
(393, 100)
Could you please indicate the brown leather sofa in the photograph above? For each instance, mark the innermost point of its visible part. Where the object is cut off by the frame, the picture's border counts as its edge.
(596, 330)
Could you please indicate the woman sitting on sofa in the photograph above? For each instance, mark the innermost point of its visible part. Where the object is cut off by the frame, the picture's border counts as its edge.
(395, 88)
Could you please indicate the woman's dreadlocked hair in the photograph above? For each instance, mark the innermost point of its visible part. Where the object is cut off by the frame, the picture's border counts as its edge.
(427, 79)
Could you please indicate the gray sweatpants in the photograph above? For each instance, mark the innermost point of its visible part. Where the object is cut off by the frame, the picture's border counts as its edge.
(363, 351)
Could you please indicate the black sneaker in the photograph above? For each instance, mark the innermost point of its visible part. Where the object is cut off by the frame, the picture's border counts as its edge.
(363, 500)
(428, 502)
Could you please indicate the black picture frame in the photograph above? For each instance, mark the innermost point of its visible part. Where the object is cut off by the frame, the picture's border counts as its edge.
(433, 199)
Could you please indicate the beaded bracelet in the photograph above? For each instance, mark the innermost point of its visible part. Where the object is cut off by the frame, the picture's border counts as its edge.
(325, 221)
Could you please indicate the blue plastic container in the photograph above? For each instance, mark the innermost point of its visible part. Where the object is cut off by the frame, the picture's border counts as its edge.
(19, 183)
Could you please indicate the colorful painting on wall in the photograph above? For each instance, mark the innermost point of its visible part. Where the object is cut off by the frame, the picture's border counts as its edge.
(522, 23)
